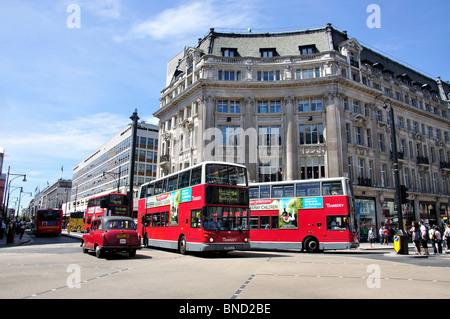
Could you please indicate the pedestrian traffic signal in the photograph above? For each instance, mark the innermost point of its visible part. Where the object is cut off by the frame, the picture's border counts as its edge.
(403, 194)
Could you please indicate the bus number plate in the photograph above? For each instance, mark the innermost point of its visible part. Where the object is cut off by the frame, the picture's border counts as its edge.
(229, 248)
(123, 241)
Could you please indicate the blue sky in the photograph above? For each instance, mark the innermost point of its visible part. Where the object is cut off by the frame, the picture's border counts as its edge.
(65, 91)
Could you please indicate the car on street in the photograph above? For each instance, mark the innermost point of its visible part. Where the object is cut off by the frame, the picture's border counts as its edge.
(111, 234)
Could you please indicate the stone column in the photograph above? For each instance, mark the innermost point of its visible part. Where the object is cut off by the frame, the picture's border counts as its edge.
(334, 129)
(291, 145)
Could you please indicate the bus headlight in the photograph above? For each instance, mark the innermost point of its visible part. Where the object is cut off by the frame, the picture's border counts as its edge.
(211, 240)
(245, 240)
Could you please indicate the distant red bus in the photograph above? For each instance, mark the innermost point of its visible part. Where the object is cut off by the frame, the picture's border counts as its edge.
(47, 222)
(112, 204)
(311, 215)
(201, 208)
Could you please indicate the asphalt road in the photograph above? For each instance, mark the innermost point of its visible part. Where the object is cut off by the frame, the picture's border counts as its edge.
(55, 267)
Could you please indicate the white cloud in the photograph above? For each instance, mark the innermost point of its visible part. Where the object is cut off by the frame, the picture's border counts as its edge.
(71, 139)
(195, 18)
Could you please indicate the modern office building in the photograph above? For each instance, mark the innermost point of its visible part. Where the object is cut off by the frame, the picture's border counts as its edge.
(310, 104)
(54, 196)
(107, 168)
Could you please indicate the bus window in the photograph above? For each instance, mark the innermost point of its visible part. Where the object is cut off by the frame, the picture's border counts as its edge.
(336, 222)
(196, 176)
(254, 222)
(150, 189)
(264, 191)
(288, 191)
(221, 174)
(349, 185)
(164, 186)
(253, 192)
(332, 188)
(275, 221)
(196, 218)
(308, 189)
(172, 183)
(158, 187)
(143, 191)
(277, 191)
(184, 179)
(265, 222)
(156, 220)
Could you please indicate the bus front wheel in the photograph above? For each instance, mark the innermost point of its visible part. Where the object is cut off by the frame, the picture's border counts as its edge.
(182, 245)
(311, 245)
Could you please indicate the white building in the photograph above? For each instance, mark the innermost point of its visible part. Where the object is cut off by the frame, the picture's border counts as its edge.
(310, 104)
(107, 168)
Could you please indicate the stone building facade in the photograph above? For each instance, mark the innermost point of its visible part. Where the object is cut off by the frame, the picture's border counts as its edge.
(310, 104)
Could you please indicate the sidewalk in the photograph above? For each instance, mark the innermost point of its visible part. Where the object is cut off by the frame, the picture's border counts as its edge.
(72, 234)
(17, 242)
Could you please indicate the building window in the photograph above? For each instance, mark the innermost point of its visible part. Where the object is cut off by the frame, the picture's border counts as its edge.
(269, 76)
(224, 106)
(383, 175)
(269, 135)
(311, 134)
(228, 52)
(381, 142)
(309, 105)
(312, 167)
(268, 173)
(268, 52)
(230, 134)
(265, 107)
(307, 73)
(229, 75)
(307, 49)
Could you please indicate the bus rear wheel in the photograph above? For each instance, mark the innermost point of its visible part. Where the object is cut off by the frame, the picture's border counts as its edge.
(311, 245)
(182, 245)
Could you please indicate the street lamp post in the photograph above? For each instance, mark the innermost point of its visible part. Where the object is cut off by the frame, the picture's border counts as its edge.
(9, 187)
(135, 119)
(113, 174)
(398, 198)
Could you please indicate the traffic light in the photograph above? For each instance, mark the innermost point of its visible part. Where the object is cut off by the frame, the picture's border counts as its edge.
(403, 194)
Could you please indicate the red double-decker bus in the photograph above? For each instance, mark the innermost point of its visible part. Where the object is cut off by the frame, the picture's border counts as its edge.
(112, 204)
(201, 208)
(47, 222)
(311, 215)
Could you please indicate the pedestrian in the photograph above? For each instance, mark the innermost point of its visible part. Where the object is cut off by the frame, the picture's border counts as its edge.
(432, 237)
(10, 232)
(381, 233)
(415, 230)
(424, 237)
(447, 237)
(371, 236)
(386, 235)
(438, 240)
(22, 228)
(2, 229)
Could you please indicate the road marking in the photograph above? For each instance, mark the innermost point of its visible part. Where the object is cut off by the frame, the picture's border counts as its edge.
(236, 294)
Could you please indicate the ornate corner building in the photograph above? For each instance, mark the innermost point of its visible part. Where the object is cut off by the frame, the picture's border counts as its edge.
(310, 104)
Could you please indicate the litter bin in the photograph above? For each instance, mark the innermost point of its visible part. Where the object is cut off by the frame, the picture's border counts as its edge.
(401, 244)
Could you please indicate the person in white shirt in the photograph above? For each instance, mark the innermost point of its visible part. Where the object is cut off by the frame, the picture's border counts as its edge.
(424, 240)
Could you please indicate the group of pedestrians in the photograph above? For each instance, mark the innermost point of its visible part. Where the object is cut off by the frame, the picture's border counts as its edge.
(383, 235)
(10, 228)
(421, 235)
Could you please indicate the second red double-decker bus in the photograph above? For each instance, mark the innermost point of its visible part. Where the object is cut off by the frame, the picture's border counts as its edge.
(112, 204)
(311, 215)
(47, 222)
(201, 208)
